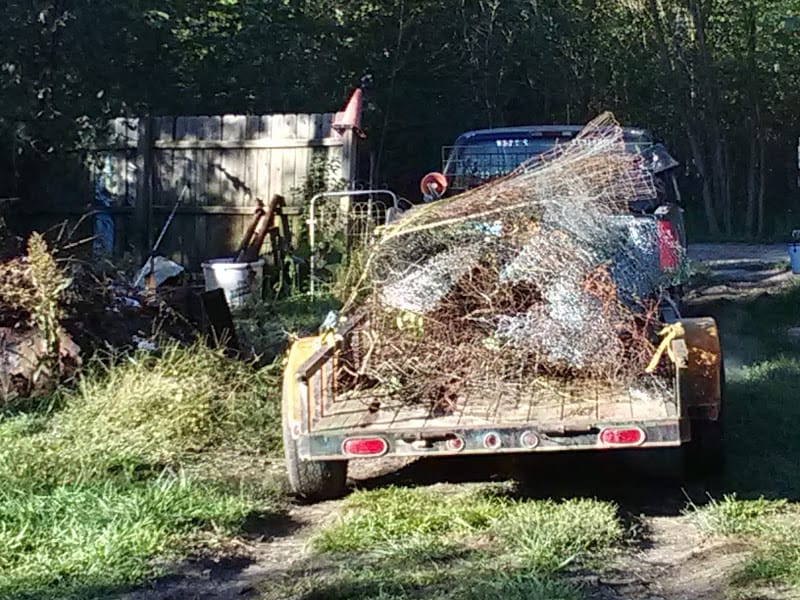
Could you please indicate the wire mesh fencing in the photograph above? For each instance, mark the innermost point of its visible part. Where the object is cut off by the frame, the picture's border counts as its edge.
(542, 273)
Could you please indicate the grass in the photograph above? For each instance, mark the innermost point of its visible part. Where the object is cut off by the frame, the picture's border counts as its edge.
(134, 466)
(762, 369)
(264, 328)
(455, 542)
(771, 526)
(82, 540)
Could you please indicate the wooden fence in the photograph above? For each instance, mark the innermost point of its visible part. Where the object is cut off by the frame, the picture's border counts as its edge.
(217, 166)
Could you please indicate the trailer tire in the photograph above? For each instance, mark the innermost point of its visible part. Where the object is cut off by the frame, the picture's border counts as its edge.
(706, 451)
(706, 454)
(313, 480)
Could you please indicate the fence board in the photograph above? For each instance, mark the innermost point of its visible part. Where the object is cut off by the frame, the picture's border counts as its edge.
(304, 132)
(163, 163)
(277, 129)
(212, 191)
(289, 158)
(252, 126)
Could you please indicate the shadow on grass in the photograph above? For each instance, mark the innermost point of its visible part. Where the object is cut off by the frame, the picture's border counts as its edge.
(638, 482)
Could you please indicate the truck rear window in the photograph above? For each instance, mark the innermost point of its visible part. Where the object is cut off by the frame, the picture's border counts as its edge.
(481, 159)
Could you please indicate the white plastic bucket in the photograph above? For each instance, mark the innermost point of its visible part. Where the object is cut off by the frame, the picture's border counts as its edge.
(794, 256)
(238, 280)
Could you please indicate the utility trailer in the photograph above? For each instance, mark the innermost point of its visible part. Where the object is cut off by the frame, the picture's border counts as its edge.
(325, 425)
(327, 422)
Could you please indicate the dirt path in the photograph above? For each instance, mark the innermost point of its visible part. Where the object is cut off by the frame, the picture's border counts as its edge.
(738, 271)
(671, 559)
(242, 568)
(674, 561)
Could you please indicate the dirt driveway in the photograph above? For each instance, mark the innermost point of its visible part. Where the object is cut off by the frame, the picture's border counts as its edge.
(738, 271)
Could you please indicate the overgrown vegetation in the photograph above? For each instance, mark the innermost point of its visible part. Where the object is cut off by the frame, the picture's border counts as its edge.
(31, 288)
(716, 78)
(446, 542)
(125, 468)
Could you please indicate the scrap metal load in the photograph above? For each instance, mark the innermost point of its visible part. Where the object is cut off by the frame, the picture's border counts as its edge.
(544, 272)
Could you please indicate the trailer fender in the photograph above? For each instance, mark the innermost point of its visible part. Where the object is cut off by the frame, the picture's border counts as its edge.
(701, 378)
(300, 350)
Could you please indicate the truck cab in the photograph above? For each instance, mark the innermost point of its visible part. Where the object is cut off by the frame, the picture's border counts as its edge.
(485, 154)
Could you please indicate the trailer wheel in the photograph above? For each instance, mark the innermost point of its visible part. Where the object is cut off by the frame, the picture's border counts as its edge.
(706, 451)
(313, 480)
(706, 454)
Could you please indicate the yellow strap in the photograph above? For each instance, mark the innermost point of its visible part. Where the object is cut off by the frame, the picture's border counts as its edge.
(669, 333)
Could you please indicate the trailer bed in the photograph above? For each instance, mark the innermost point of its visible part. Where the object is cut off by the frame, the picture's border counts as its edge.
(505, 404)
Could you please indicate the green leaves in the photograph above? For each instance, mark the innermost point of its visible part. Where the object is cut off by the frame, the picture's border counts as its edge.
(708, 81)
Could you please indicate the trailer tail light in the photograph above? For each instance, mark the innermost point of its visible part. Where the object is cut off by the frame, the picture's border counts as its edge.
(623, 436)
(491, 441)
(529, 440)
(365, 446)
(455, 444)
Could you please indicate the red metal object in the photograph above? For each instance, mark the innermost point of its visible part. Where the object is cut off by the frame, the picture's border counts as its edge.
(365, 446)
(667, 245)
(350, 117)
(491, 441)
(455, 444)
(433, 184)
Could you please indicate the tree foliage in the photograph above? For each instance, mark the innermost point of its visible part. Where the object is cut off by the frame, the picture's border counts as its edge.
(715, 78)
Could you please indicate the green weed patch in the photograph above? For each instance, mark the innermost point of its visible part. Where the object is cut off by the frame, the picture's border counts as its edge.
(127, 467)
(456, 542)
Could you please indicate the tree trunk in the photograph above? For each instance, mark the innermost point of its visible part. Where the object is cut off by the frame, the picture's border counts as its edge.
(762, 151)
(708, 198)
(707, 84)
(752, 168)
(722, 183)
(755, 165)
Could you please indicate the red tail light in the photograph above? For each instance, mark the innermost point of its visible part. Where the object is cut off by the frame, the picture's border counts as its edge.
(667, 245)
(626, 436)
(365, 446)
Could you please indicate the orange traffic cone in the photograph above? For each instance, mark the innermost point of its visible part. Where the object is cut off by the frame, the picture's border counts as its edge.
(350, 117)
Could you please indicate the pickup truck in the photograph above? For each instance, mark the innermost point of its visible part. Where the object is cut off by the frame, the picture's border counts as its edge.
(326, 423)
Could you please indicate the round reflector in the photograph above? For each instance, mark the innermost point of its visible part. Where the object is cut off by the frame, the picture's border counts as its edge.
(529, 439)
(455, 444)
(491, 441)
(433, 184)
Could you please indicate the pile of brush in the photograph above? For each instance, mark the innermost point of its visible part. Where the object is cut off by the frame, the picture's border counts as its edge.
(542, 272)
